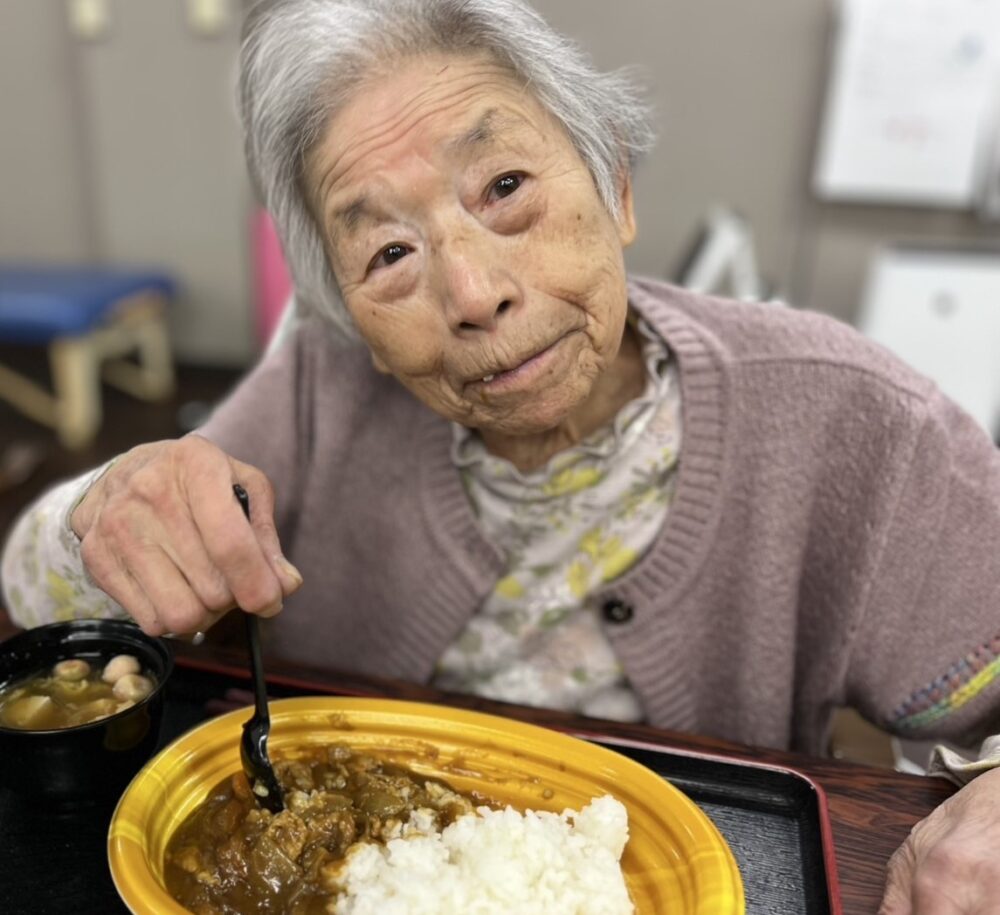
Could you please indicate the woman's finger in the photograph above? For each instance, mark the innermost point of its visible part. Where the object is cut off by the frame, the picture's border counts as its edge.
(899, 877)
(108, 572)
(231, 543)
(261, 495)
(176, 606)
(179, 538)
(196, 481)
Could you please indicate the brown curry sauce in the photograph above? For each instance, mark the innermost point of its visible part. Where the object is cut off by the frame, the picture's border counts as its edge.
(232, 857)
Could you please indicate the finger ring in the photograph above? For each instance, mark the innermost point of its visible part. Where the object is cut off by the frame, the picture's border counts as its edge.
(195, 639)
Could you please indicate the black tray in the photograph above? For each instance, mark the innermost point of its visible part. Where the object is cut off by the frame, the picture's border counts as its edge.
(773, 818)
(54, 861)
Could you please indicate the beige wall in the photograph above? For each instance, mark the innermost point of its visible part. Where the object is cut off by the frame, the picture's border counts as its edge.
(167, 165)
(738, 89)
(127, 148)
(43, 205)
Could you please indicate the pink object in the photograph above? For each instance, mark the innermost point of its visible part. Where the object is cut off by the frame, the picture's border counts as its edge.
(272, 282)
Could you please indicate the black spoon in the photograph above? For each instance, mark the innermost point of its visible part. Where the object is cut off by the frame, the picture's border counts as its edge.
(253, 744)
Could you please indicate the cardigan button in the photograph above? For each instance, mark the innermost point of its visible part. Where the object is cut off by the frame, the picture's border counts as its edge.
(615, 610)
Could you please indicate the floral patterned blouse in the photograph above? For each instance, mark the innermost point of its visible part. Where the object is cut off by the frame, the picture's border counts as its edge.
(567, 529)
(43, 574)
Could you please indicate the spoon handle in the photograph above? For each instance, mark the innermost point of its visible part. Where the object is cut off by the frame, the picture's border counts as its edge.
(259, 689)
(243, 498)
(253, 635)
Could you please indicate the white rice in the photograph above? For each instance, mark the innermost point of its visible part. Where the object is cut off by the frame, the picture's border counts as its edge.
(495, 862)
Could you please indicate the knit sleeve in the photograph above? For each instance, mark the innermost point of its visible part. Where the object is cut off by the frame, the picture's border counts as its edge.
(925, 660)
(266, 420)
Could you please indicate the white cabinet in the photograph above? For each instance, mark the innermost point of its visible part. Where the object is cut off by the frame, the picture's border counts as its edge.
(939, 309)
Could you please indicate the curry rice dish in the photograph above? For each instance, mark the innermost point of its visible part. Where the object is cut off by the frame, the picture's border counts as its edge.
(360, 835)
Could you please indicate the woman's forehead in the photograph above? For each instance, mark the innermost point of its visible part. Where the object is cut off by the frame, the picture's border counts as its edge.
(417, 85)
(452, 108)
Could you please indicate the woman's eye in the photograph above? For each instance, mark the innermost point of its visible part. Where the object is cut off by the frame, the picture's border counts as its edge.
(389, 255)
(505, 185)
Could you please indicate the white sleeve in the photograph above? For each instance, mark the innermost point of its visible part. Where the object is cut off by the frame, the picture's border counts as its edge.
(956, 768)
(43, 577)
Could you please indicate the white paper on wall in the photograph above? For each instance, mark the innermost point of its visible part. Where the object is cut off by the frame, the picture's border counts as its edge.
(911, 106)
(939, 310)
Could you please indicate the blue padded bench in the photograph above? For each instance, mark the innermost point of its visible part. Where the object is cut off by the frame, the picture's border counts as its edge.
(89, 318)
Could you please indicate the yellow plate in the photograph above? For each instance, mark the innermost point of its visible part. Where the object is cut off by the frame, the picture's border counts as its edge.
(675, 862)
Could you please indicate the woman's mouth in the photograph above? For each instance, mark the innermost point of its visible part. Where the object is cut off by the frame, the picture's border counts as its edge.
(523, 373)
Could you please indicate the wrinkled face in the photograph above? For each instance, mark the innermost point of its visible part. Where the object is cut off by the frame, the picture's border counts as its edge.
(473, 251)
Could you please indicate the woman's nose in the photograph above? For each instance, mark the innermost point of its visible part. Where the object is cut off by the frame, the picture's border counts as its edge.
(478, 287)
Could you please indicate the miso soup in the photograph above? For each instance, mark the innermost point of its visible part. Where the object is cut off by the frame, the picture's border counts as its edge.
(74, 691)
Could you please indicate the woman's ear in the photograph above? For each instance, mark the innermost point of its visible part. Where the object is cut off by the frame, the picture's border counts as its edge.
(626, 212)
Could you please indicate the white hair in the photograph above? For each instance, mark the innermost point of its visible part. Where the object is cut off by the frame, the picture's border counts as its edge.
(301, 59)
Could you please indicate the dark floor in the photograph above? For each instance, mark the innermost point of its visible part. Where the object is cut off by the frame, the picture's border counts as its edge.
(31, 458)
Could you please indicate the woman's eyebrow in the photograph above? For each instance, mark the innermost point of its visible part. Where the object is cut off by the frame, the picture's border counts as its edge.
(346, 221)
(349, 217)
(485, 132)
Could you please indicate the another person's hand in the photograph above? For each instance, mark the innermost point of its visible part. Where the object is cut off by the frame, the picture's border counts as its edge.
(949, 864)
(163, 533)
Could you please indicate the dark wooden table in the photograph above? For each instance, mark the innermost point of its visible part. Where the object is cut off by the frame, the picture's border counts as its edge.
(871, 809)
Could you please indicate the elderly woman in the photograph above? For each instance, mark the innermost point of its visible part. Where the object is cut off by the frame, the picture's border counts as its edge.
(504, 467)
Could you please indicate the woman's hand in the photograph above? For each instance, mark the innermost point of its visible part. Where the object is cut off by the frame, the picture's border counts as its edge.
(950, 864)
(164, 535)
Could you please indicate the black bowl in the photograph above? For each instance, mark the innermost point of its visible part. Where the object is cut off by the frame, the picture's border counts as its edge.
(93, 761)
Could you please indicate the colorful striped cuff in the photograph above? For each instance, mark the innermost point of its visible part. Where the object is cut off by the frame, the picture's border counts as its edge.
(961, 683)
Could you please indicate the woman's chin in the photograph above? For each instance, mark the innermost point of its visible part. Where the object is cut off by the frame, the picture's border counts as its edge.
(538, 423)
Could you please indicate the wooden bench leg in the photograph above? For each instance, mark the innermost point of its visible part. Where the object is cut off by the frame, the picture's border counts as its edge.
(77, 364)
(156, 358)
(142, 327)
(76, 381)
(28, 396)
